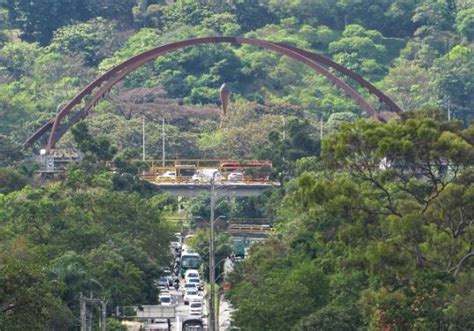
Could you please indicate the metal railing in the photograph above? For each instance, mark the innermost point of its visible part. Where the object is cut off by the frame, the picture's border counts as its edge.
(250, 228)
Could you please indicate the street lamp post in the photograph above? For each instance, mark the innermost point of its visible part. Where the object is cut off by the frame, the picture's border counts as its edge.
(212, 325)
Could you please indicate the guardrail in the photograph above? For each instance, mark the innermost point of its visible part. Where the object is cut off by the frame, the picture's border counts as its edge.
(249, 221)
(250, 228)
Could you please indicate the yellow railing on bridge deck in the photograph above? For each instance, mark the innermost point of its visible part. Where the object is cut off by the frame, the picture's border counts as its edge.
(203, 163)
(182, 171)
(250, 228)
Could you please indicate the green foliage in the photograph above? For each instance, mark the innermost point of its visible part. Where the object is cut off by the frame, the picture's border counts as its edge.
(38, 20)
(465, 23)
(27, 298)
(10, 151)
(93, 40)
(291, 290)
(11, 180)
(201, 211)
(299, 142)
(359, 50)
(17, 58)
(374, 232)
(409, 85)
(34, 18)
(100, 147)
(454, 83)
(115, 325)
(387, 228)
(83, 237)
(223, 249)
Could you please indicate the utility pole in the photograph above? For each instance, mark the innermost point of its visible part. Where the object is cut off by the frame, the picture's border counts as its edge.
(284, 127)
(321, 132)
(104, 315)
(143, 138)
(449, 109)
(83, 313)
(89, 315)
(212, 325)
(163, 152)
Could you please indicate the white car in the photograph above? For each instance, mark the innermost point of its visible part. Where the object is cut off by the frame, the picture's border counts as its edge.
(167, 176)
(196, 281)
(205, 176)
(235, 177)
(191, 273)
(192, 295)
(165, 299)
(189, 286)
(195, 308)
(162, 283)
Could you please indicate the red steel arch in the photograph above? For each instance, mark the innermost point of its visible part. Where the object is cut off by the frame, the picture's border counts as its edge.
(97, 89)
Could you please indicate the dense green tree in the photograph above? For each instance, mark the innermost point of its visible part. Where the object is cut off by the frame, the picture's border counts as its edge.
(201, 211)
(111, 243)
(291, 289)
(186, 12)
(465, 23)
(11, 180)
(34, 18)
(99, 147)
(38, 20)
(15, 110)
(409, 85)
(92, 39)
(27, 298)
(388, 229)
(358, 49)
(121, 281)
(252, 15)
(454, 83)
(17, 58)
(433, 15)
(10, 151)
(300, 140)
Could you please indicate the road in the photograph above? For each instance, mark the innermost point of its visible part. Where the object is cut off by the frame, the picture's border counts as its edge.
(182, 310)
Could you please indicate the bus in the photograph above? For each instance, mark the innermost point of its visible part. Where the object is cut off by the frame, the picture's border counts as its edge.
(189, 260)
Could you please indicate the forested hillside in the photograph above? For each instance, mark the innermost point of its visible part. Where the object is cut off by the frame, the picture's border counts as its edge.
(356, 245)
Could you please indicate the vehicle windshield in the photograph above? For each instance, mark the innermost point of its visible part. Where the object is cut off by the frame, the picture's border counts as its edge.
(190, 262)
(190, 285)
(192, 292)
(193, 280)
(165, 299)
(196, 305)
(192, 326)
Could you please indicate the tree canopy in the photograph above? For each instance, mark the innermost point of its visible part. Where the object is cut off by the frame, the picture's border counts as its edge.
(372, 228)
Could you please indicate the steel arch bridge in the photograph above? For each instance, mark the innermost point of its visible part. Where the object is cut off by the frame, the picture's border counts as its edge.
(78, 108)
